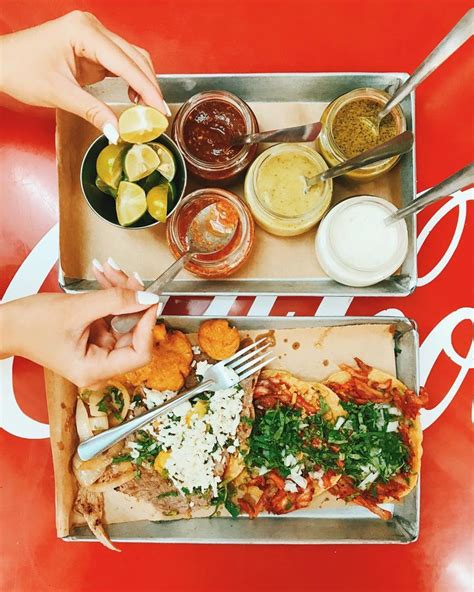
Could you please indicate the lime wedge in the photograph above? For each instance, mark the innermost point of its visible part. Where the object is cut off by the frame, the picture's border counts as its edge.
(157, 202)
(109, 164)
(105, 188)
(130, 204)
(140, 124)
(140, 161)
(167, 166)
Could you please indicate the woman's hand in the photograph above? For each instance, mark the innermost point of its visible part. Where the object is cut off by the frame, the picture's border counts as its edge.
(48, 65)
(70, 334)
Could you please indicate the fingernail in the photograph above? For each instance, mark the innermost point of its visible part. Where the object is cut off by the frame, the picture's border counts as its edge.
(167, 109)
(98, 265)
(111, 133)
(136, 275)
(159, 309)
(147, 298)
(113, 264)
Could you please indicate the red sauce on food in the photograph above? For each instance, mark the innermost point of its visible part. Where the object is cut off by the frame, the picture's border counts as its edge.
(208, 129)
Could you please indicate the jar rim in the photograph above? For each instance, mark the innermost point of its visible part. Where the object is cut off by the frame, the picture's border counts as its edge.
(219, 95)
(245, 220)
(375, 94)
(311, 153)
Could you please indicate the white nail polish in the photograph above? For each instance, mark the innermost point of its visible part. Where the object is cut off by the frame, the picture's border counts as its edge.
(113, 264)
(167, 109)
(98, 265)
(147, 298)
(159, 309)
(136, 275)
(111, 133)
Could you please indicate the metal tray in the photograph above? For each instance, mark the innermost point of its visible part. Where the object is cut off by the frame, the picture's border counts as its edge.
(349, 524)
(307, 87)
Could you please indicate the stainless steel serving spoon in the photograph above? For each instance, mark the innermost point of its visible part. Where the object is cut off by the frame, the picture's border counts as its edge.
(459, 180)
(300, 133)
(453, 41)
(398, 145)
(209, 232)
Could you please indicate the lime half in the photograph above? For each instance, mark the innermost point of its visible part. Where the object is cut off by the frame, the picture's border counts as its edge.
(140, 124)
(157, 202)
(109, 164)
(167, 166)
(130, 203)
(140, 161)
(105, 188)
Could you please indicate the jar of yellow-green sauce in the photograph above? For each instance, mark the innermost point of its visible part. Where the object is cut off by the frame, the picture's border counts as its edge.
(347, 131)
(275, 189)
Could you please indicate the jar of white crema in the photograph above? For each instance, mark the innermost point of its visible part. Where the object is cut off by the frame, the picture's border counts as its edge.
(354, 244)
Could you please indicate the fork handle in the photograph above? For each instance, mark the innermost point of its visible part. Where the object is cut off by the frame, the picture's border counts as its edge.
(97, 444)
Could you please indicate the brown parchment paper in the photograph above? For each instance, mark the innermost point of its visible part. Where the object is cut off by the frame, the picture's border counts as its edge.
(309, 353)
(84, 236)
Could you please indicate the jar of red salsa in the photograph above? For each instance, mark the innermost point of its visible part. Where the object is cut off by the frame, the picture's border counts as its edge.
(203, 128)
(234, 255)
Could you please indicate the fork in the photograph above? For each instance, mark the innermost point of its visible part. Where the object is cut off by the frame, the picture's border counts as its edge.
(223, 375)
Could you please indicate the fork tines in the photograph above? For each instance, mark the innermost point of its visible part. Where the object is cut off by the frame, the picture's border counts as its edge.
(253, 360)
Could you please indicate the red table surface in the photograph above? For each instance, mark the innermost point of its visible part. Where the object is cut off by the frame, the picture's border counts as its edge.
(263, 36)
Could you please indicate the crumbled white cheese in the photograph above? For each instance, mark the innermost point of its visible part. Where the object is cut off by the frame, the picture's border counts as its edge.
(368, 480)
(290, 461)
(394, 411)
(154, 398)
(236, 442)
(134, 448)
(133, 404)
(316, 475)
(262, 471)
(392, 426)
(201, 368)
(196, 350)
(339, 423)
(290, 486)
(298, 479)
(197, 443)
(191, 504)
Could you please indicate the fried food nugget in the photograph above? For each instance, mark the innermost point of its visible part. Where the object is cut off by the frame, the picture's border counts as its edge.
(170, 365)
(218, 339)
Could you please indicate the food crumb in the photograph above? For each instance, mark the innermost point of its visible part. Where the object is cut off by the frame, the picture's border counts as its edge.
(325, 362)
(295, 345)
(285, 340)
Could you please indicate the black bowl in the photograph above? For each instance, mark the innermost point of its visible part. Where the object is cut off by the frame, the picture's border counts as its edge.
(104, 205)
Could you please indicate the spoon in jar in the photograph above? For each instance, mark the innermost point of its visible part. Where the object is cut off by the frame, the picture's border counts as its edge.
(453, 41)
(460, 180)
(210, 231)
(394, 147)
(300, 133)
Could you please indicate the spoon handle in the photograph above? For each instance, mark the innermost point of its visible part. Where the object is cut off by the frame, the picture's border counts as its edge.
(453, 40)
(459, 180)
(300, 133)
(398, 145)
(125, 323)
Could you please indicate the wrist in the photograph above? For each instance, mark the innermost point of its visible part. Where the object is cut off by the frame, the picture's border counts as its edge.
(7, 332)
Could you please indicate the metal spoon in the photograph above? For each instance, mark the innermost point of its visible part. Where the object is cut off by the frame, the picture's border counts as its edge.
(459, 180)
(398, 145)
(453, 41)
(300, 133)
(209, 232)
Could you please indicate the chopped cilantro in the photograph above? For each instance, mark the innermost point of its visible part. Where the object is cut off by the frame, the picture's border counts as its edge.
(185, 490)
(121, 459)
(223, 498)
(167, 494)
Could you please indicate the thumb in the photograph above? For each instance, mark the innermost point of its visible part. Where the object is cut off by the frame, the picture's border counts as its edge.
(114, 301)
(79, 101)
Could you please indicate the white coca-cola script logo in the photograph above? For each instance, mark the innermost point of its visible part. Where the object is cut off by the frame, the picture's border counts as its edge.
(33, 271)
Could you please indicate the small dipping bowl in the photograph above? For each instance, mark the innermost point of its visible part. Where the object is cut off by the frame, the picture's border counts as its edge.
(226, 261)
(355, 247)
(104, 205)
(203, 128)
(275, 189)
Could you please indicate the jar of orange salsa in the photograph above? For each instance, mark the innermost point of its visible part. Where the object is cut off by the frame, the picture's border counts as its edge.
(229, 259)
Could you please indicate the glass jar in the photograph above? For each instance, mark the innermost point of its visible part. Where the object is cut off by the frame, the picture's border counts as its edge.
(333, 153)
(275, 189)
(202, 129)
(229, 259)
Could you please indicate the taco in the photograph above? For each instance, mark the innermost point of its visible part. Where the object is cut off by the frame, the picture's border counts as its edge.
(289, 461)
(380, 436)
